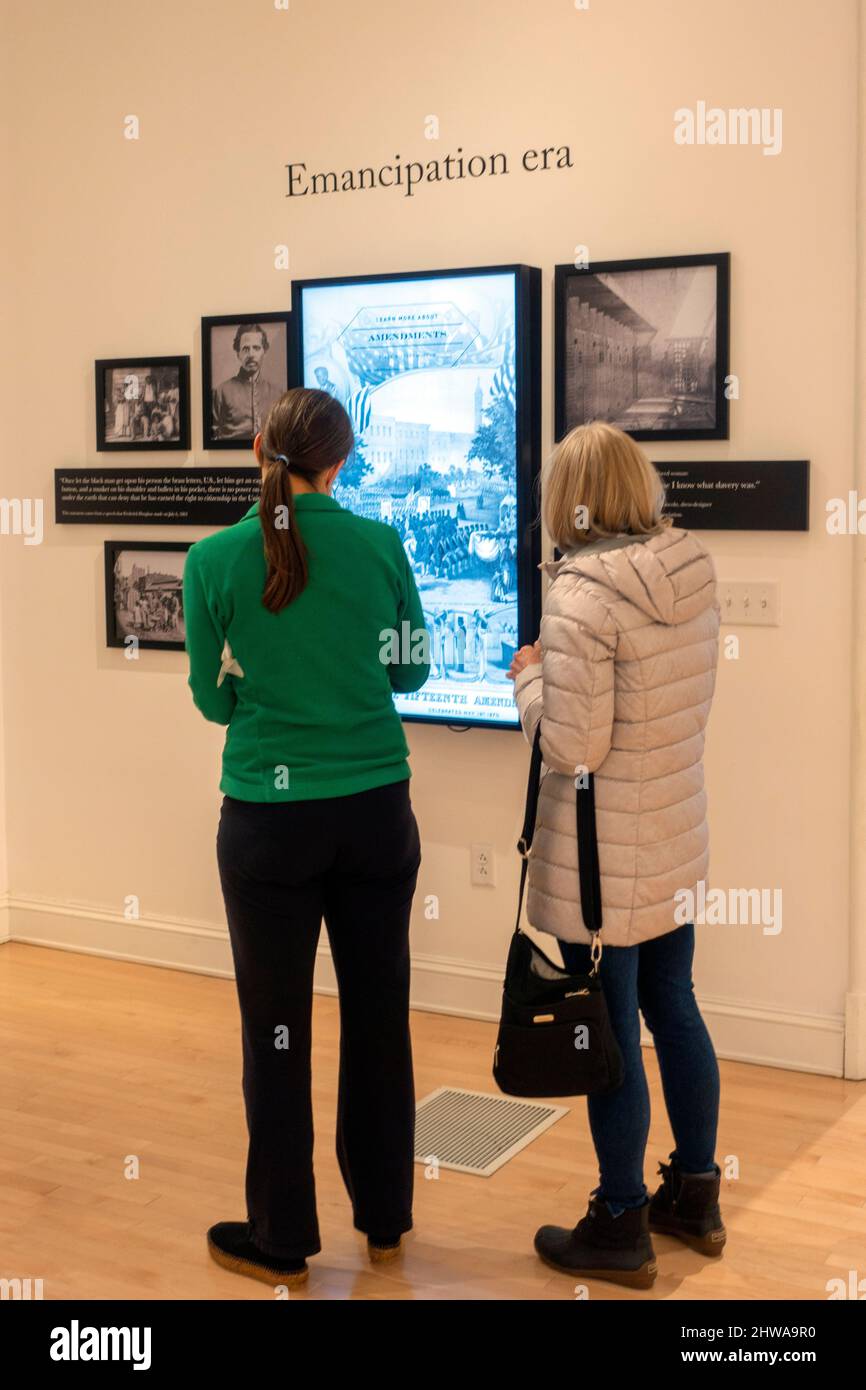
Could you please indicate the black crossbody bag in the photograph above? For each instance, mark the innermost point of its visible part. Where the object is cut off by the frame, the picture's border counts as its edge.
(555, 1036)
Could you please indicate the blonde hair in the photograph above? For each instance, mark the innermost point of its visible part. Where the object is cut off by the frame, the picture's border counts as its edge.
(598, 468)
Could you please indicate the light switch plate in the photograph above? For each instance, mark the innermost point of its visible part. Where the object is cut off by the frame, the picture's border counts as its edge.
(756, 602)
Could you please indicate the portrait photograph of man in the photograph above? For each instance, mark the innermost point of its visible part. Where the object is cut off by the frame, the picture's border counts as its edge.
(244, 370)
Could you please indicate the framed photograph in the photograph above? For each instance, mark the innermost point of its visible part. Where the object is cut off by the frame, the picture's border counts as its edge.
(144, 593)
(142, 403)
(245, 368)
(440, 374)
(644, 346)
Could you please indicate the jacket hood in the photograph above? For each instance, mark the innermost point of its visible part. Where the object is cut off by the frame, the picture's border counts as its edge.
(669, 576)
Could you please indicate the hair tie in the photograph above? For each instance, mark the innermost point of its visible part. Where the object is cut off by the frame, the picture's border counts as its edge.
(281, 458)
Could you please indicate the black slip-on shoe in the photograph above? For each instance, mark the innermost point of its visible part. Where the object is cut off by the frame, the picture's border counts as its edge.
(229, 1244)
(381, 1249)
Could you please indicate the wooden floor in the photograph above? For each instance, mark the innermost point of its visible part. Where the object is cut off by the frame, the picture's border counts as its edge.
(102, 1060)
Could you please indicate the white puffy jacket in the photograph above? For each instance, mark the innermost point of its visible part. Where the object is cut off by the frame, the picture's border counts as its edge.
(629, 638)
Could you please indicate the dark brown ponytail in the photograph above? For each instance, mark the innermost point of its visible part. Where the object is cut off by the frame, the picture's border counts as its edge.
(305, 434)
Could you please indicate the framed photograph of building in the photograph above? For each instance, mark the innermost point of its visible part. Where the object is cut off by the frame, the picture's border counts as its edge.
(439, 372)
(644, 345)
(244, 370)
(142, 403)
(144, 594)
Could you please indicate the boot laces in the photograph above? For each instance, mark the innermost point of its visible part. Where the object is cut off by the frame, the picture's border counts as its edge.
(590, 1216)
(669, 1178)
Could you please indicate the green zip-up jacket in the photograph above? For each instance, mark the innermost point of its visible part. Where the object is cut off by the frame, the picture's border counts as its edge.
(312, 715)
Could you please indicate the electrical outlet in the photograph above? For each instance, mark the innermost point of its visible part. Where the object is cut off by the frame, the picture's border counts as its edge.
(757, 603)
(483, 865)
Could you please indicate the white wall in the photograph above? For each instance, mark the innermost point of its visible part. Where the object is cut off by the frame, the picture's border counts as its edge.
(122, 246)
(8, 318)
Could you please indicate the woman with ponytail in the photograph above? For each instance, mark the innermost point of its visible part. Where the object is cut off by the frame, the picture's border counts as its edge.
(291, 616)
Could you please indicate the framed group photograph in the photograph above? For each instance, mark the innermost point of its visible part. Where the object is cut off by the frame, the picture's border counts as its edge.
(643, 345)
(144, 593)
(142, 403)
(245, 368)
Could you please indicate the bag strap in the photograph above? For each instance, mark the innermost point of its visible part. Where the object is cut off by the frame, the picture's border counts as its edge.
(589, 871)
(587, 853)
(524, 844)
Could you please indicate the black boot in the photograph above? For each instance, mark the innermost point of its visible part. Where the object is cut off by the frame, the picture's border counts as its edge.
(229, 1244)
(602, 1246)
(687, 1206)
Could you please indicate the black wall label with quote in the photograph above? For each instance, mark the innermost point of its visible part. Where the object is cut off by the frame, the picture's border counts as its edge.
(163, 496)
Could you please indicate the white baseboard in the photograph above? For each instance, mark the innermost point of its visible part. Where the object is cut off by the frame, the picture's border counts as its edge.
(741, 1032)
(4, 917)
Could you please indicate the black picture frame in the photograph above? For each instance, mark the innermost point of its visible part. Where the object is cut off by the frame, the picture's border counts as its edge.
(210, 439)
(114, 637)
(566, 280)
(527, 343)
(181, 441)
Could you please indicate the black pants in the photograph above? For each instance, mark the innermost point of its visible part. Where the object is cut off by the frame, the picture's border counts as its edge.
(353, 860)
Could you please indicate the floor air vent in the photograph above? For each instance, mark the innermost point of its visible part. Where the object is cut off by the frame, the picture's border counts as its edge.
(476, 1133)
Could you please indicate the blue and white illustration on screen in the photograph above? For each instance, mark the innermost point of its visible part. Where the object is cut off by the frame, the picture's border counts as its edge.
(426, 370)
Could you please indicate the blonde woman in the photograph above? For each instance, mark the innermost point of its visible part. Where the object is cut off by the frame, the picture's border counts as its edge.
(622, 681)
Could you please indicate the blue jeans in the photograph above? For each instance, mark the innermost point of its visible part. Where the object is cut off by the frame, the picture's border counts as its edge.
(654, 977)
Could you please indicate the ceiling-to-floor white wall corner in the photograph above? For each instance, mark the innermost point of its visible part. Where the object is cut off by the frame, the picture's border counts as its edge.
(855, 1004)
(8, 375)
